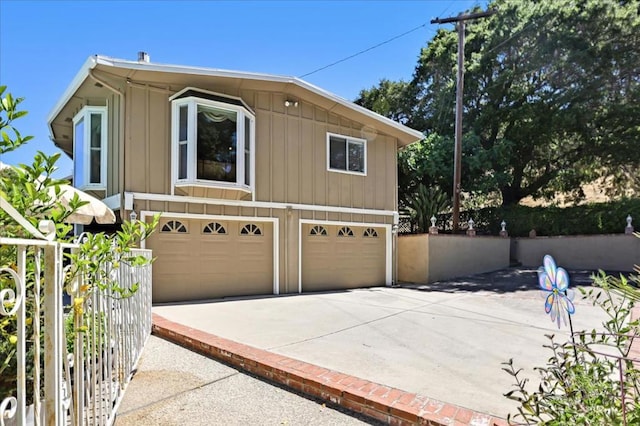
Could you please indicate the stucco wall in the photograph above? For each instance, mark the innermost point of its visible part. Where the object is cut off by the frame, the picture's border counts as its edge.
(591, 252)
(413, 258)
(429, 258)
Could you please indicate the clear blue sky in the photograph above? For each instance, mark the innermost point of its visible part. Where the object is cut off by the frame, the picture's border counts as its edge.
(44, 43)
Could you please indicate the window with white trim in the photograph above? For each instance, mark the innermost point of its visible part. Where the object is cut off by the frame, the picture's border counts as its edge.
(345, 231)
(174, 227)
(346, 154)
(251, 229)
(90, 148)
(212, 140)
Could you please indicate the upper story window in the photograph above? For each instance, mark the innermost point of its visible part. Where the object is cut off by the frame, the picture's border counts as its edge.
(346, 154)
(212, 140)
(90, 148)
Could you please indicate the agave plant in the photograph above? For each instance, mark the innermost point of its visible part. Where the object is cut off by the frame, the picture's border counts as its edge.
(425, 203)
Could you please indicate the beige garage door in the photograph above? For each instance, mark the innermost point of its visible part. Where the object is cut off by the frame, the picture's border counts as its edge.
(340, 257)
(203, 259)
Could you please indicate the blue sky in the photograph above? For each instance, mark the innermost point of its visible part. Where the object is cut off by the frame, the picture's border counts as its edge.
(44, 43)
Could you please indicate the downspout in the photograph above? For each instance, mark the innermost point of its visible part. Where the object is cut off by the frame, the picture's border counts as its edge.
(121, 135)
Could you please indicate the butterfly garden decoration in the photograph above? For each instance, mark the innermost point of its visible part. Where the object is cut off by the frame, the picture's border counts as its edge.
(554, 283)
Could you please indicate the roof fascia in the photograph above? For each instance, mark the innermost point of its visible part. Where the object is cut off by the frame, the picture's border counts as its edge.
(75, 84)
(135, 65)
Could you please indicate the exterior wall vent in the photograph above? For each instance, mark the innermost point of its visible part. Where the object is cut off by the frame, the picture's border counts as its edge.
(143, 57)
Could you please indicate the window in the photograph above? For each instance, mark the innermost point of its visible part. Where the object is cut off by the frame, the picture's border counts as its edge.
(90, 148)
(212, 140)
(174, 226)
(318, 230)
(345, 231)
(251, 229)
(214, 228)
(346, 154)
(370, 233)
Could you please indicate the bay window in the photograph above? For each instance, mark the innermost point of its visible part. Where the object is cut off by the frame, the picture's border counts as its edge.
(90, 148)
(212, 140)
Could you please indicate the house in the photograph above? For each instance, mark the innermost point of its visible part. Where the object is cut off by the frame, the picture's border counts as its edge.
(265, 184)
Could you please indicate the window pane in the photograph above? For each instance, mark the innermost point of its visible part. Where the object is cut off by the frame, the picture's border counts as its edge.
(216, 144)
(182, 125)
(78, 154)
(356, 157)
(96, 130)
(182, 161)
(95, 148)
(95, 166)
(247, 151)
(337, 153)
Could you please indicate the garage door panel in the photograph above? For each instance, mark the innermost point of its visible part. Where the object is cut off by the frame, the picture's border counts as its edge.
(204, 264)
(333, 262)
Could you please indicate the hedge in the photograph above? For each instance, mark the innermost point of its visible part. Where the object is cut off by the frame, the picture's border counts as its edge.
(588, 219)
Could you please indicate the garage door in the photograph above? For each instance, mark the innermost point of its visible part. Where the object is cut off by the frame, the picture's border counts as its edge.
(340, 257)
(203, 259)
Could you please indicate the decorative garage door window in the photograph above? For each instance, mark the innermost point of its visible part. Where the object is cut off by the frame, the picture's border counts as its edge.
(214, 228)
(345, 231)
(370, 233)
(174, 226)
(318, 230)
(251, 229)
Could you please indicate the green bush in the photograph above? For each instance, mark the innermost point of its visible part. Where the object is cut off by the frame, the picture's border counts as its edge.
(578, 385)
(588, 219)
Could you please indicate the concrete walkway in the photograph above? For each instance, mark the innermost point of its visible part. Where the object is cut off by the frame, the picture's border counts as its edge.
(175, 386)
(445, 341)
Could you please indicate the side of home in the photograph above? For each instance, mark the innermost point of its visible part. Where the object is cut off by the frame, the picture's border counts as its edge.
(265, 184)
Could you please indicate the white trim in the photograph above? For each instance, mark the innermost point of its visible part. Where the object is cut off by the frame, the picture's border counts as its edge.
(276, 233)
(388, 244)
(85, 115)
(347, 139)
(209, 92)
(93, 61)
(257, 204)
(73, 87)
(192, 103)
(113, 202)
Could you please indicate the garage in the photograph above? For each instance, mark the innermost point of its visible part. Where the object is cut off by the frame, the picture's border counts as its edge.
(211, 258)
(337, 257)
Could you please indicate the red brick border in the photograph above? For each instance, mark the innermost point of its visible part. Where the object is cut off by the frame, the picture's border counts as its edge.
(392, 406)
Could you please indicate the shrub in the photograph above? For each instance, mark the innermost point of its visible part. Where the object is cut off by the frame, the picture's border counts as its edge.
(579, 385)
(588, 219)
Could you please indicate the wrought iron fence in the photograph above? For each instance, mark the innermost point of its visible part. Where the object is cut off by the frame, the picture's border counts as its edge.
(66, 363)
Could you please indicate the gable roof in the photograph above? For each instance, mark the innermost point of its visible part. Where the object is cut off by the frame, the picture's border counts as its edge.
(404, 134)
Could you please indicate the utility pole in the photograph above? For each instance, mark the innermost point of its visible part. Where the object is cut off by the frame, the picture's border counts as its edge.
(457, 159)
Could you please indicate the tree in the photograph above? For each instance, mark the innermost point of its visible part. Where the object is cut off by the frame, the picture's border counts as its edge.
(551, 99)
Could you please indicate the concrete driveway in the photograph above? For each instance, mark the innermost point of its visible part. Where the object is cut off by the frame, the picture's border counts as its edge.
(445, 341)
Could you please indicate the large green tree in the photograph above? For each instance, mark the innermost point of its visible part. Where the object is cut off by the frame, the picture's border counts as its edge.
(551, 99)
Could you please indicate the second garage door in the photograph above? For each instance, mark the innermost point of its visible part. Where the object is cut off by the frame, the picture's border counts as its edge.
(338, 257)
(203, 259)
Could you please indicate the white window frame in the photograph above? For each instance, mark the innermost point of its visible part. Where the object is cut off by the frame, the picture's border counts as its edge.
(85, 113)
(347, 139)
(192, 103)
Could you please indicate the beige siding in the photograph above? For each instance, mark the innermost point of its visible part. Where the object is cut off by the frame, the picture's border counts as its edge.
(291, 153)
(148, 148)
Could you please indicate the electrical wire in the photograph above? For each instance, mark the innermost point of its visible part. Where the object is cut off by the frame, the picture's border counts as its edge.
(365, 50)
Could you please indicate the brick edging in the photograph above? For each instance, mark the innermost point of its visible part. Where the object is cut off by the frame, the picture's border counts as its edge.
(390, 405)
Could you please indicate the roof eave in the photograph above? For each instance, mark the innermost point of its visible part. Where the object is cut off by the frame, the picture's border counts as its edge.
(75, 84)
(93, 61)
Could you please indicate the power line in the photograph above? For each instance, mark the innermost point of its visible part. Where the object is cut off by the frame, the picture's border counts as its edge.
(365, 50)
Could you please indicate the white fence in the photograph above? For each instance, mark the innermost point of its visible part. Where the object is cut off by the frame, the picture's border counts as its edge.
(66, 363)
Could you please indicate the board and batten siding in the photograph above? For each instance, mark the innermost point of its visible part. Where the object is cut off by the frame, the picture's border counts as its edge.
(290, 152)
(148, 141)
